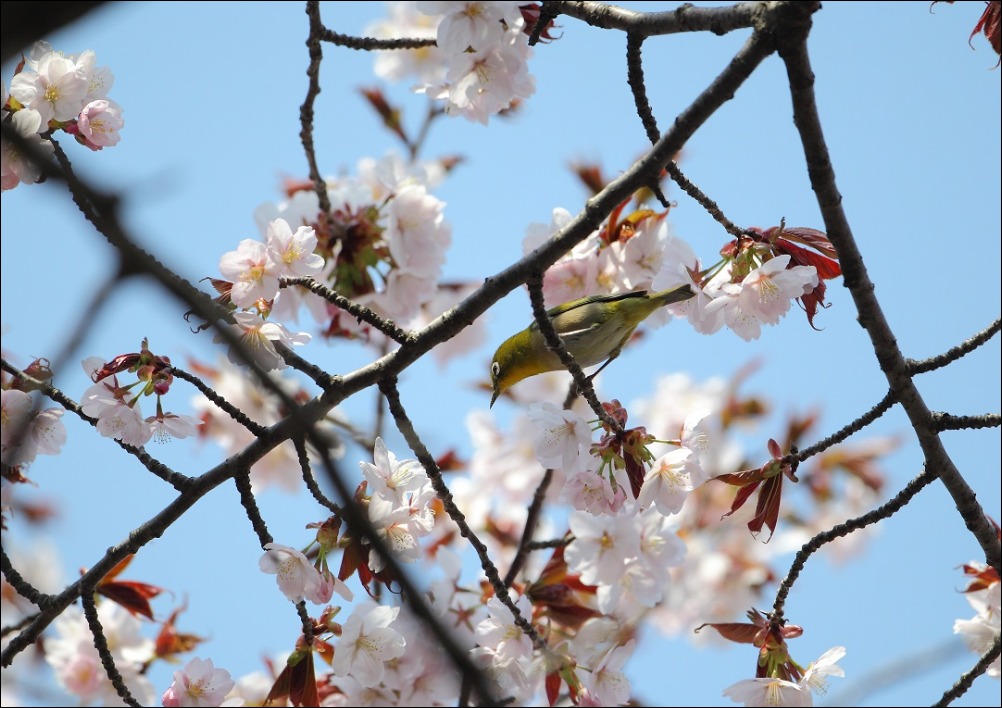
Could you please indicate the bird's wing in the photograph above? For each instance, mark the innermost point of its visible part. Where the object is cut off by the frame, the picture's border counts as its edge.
(574, 304)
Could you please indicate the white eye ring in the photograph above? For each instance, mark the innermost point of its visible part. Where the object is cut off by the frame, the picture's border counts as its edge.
(495, 369)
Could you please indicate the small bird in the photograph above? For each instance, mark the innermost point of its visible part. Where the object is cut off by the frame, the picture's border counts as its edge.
(593, 329)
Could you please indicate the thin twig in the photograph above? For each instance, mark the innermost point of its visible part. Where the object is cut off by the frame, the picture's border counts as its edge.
(964, 682)
(101, 644)
(242, 482)
(925, 365)
(635, 79)
(854, 427)
(884, 511)
(306, 113)
(320, 377)
(704, 201)
(372, 43)
(406, 428)
(228, 408)
(686, 18)
(552, 543)
(360, 312)
(948, 421)
(310, 480)
(25, 589)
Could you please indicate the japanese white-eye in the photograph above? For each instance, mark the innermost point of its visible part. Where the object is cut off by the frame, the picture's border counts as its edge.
(593, 329)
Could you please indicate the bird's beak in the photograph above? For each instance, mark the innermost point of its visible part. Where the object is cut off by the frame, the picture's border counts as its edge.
(494, 397)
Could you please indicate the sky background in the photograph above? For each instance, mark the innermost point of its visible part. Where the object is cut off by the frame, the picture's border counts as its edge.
(211, 99)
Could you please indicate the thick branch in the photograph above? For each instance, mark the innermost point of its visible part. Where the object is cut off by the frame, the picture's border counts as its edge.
(793, 50)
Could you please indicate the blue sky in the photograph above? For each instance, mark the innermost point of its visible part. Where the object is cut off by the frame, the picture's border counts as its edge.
(211, 98)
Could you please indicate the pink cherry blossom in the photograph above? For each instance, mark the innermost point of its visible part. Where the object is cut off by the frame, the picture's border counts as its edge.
(367, 642)
(199, 684)
(15, 168)
(297, 577)
(293, 253)
(56, 90)
(99, 123)
(252, 272)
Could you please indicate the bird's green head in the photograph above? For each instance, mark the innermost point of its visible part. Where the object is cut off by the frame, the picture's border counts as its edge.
(515, 359)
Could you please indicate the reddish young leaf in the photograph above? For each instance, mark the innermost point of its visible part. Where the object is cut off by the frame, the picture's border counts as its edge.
(303, 683)
(133, 596)
(553, 682)
(767, 509)
(990, 24)
(740, 632)
(170, 642)
(827, 268)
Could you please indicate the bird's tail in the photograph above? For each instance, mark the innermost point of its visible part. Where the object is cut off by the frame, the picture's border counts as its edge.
(672, 295)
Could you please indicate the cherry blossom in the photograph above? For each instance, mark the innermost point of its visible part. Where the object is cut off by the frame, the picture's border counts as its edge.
(22, 439)
(296, 576)
(669, 481)
(292, 254)
(400, 526)
(640, 258)
(99, 123)
(763, 296)
(587, 490)
(512, 677)
(329, 584)
(117, 417)
(562, 436)
(481, 84)
(257, 338)
(472, 24)
(602, 546)
(817, 671)
(678, 267)
(500, 634)
(15, 167)
(389, 477)
(769, 692)
(199, 684)
(165, 426)
(56, 90)
(606, 683)
(252, 273)
(99, 78)
(367, 642)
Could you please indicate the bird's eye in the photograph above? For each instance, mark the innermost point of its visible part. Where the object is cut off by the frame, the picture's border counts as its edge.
(495, 370)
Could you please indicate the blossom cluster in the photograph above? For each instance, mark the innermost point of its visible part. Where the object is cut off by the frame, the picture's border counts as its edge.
(116, 406)
(382, 655)
(479, 66)
(53, 91)
(984, 593)
(383, 244)
(253, 272)
(398, 496)
(26, 429)
(753, 284)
